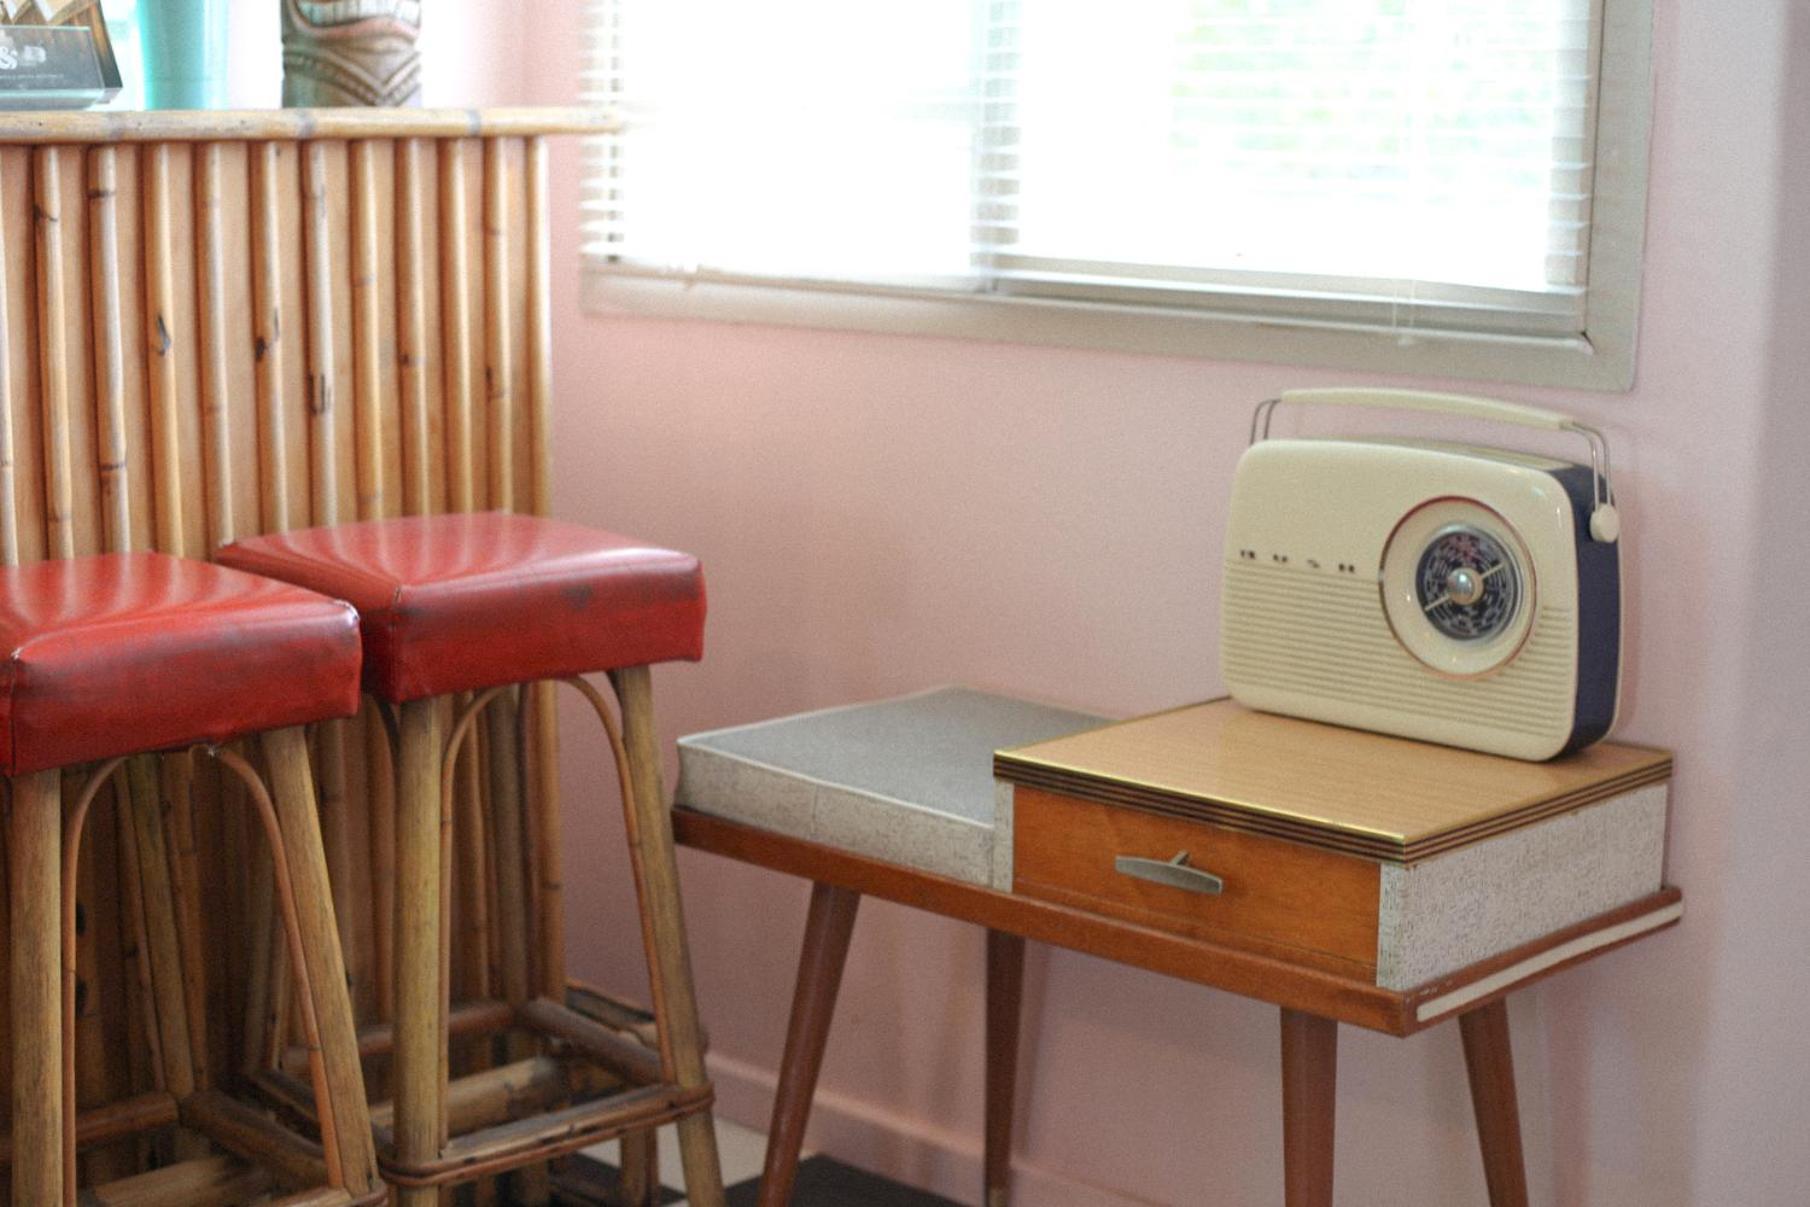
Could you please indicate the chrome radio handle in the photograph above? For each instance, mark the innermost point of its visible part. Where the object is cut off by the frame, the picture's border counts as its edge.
(1605, 524)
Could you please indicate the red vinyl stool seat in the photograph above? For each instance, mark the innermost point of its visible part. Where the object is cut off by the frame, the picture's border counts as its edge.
(460, 603)
(454, 603)
(132, 652)
(124, 654)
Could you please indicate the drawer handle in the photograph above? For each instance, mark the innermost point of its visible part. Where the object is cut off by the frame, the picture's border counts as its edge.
(1175, 873)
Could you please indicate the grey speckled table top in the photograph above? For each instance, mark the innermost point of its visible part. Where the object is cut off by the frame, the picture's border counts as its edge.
(905, 780)
(933, 750)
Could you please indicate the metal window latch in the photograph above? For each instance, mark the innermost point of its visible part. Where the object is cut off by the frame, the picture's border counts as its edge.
(1174, 874)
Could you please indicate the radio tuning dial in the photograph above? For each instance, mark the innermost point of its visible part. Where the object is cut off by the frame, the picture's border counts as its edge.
(1456, 586)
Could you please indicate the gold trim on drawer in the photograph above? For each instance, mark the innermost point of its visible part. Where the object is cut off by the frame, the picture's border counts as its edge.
(1362, 793)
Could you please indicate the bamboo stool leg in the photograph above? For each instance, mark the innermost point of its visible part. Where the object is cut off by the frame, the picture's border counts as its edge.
(1005, 999)
(1310, 1056)
(529, 1186)
(292, 784)
(419, 989)
(638, 1177)
(827, 930)
(1491, 1063)
(657, 876)
(34, 866)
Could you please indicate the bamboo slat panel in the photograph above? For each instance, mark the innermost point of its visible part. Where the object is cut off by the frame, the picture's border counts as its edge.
(223, 324)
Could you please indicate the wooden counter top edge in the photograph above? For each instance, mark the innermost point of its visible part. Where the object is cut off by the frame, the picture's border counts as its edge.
(236, 125)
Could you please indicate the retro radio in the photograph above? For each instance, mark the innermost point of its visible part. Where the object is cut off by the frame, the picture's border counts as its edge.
(1451, 593)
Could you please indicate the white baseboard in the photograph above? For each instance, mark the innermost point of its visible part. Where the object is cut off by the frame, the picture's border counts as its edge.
(906, 1149)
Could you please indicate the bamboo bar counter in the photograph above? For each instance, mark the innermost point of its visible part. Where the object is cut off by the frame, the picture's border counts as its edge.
(214, 325)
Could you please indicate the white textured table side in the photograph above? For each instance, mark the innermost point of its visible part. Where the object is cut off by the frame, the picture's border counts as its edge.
(1453, 910)
(908, 780)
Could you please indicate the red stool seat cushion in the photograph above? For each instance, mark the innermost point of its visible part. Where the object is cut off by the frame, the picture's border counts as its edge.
(132, 652)
(453, 603)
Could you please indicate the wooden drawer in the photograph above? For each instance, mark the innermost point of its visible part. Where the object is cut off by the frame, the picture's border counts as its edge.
(1280, 898)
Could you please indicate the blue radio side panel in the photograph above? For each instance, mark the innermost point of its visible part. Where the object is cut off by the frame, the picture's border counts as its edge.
(1599, 616)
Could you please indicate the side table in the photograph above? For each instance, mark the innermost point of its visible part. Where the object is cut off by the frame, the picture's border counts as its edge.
(1308, 867)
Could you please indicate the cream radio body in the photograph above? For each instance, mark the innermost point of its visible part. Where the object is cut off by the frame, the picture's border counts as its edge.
(1450, 593)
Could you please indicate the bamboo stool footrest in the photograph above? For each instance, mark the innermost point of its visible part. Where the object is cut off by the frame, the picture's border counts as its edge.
(255, 1136)
(114, 1121)
(506, 1116)
(204, 1182)
(539, 1138)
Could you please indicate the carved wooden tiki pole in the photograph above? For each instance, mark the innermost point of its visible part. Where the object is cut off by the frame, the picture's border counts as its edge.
(351, 52)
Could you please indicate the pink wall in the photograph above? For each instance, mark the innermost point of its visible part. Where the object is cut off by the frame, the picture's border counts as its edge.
(878, 514)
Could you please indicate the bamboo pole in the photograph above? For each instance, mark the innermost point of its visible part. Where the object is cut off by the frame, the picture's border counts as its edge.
(373, 503)
(211, 349)
(53, 354)
(657, 876)
(9, 487)
(109, 353)
(455, 344)
(70, 928)
(34, 841)
(510, 1092)
(268, 343)
(499, 364)
(266, 989)
(411, 329)
(420, 990)
(146, 1057)
(335, 807)
(203, 1182)
(249, 1133)
(286, 754)
(170, 973)
(544, 735)
(368, 331)
(515, 898)
(9, 555)
(160, 923)
(160, 307)
(475, 872)
(113, 1121)
(95, 1072)
(412, 353)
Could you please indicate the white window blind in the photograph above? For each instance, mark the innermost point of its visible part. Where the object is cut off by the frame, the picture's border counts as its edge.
(1395, 164)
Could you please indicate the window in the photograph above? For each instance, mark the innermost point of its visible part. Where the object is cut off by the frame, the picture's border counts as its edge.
(1448, 186)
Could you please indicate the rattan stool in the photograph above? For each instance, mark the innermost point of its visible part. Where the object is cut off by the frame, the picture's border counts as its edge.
(481, 603)
(114, 656)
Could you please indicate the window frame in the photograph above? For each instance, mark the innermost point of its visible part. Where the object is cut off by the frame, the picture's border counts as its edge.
(1601, 358)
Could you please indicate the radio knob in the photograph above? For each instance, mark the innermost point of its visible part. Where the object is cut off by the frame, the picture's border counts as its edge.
(1464, 586)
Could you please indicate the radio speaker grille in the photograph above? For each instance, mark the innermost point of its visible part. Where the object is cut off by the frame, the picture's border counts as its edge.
(1310, 634)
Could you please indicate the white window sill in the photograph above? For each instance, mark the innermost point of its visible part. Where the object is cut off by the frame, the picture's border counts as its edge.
(1602, 361)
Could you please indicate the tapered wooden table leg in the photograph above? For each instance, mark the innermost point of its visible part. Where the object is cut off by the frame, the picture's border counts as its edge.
(1310, 1061)
(34, 866)
(292, 789)
(663, 921)
(418, 988)
(1491, 1063)
(1005, 1000)
(827, 930)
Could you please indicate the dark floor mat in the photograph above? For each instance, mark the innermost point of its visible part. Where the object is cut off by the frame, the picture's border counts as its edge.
(579, 1181)
(826, 1183)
